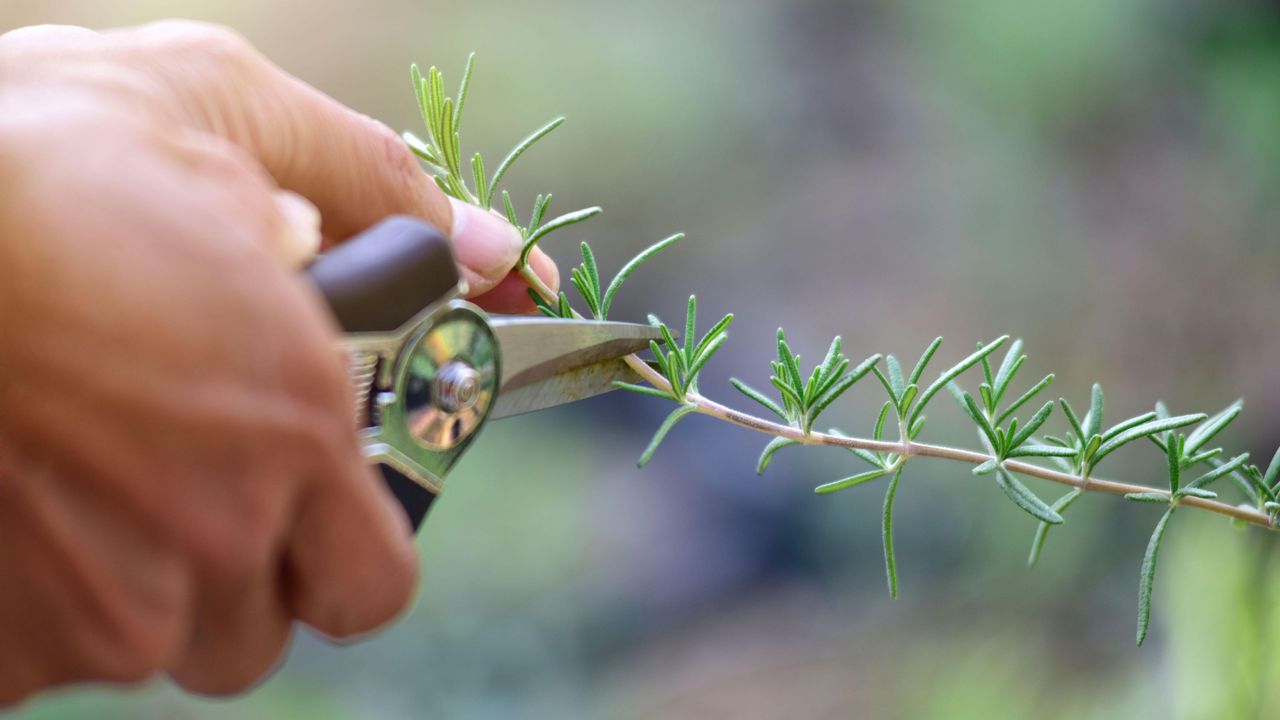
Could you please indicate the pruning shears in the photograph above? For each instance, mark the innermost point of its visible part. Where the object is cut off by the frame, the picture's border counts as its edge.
(428, 369)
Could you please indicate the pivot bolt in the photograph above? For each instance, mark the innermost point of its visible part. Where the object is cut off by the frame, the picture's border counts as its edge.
(457, 387)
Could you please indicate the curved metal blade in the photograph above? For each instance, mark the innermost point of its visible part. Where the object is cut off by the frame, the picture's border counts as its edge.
(566, 387)
(535, 348)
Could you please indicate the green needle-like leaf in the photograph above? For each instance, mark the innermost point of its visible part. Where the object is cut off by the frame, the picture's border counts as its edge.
(1148, 428)
(1032, 450)
(1032, 425)
(518, 150)
(700, 360)
(829, 362)
(1273, 471)
(878, 434)
(1147, 577)
(766, 456)
(1202, 457)
(789, 396)
(1013, 359)
(913, 431)
(1212, 427)
(886, 384)
(886, 534)
(1042, 530)
(590, 267)
(928, 354)
(866, 456)
(908, 395)
(1022, 399)
(987, 467)
(477, 174)
(896, 381)
(1091, 449)
(791, 364)
(1228, 467)
(1073, 421)
(975, 414)
(851, 481)
(1196, 492)
(463, 87)
(641, 389)
(541, 204)
(663, 429)
(1092, 424)
(1147, 497)
(422, 149)
(510, 209)
(1134, 421)
(953, 373)
(1175, 465)
(829, 397)
(988, 397)
(1025, 499)
(718, 330)
(551, 226)
(690, 327)
(759, 397)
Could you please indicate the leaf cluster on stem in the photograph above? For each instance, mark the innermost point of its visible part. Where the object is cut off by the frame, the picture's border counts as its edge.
(1011, 448)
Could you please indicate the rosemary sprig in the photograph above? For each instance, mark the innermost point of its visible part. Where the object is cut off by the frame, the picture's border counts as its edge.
(442, 152)
(1011, 448)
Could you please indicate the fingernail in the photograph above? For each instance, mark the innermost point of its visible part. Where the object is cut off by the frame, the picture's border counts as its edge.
(485, 245)
(298, 240)
(545, 268)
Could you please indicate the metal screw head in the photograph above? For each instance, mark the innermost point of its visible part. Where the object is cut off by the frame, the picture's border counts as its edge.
(457, 386)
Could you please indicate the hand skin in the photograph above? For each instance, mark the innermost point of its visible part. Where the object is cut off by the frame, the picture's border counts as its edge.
(179, 478)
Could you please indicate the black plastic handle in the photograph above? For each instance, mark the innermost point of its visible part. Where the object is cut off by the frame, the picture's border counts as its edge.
(414, 498)
(378, 280)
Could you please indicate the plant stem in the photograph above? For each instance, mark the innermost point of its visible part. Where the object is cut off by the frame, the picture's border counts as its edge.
(907, 448)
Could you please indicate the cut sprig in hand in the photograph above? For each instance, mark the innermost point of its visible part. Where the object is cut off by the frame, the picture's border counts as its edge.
(1011, 448)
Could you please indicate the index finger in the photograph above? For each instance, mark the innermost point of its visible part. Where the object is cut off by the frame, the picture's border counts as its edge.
(354, 169)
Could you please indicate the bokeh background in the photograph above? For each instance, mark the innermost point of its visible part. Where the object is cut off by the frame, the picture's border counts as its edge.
(1099, 177)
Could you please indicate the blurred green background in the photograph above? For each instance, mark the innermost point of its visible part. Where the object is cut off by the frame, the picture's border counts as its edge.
(1099, 177)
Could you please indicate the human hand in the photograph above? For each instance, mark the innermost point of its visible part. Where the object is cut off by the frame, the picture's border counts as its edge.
(179, 478)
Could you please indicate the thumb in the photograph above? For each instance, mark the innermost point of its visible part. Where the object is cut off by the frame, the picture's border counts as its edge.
(485, 246)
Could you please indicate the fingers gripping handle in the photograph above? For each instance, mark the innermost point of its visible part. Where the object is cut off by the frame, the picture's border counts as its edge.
(375, 283)
(378, 280)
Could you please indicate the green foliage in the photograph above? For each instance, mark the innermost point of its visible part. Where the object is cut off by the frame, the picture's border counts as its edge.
(663, 429)
(886, 534)
(1011, 447)
(681, 363)
(1147, 575)
(586, 277)
(1263, 487)
(804, 400)
(442, 152)
(945, 378)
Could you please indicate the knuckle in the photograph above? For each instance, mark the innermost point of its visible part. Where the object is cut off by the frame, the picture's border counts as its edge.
(207, 39)
(134, 645)
(233, 551)
(234, 538)
(226, 161)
